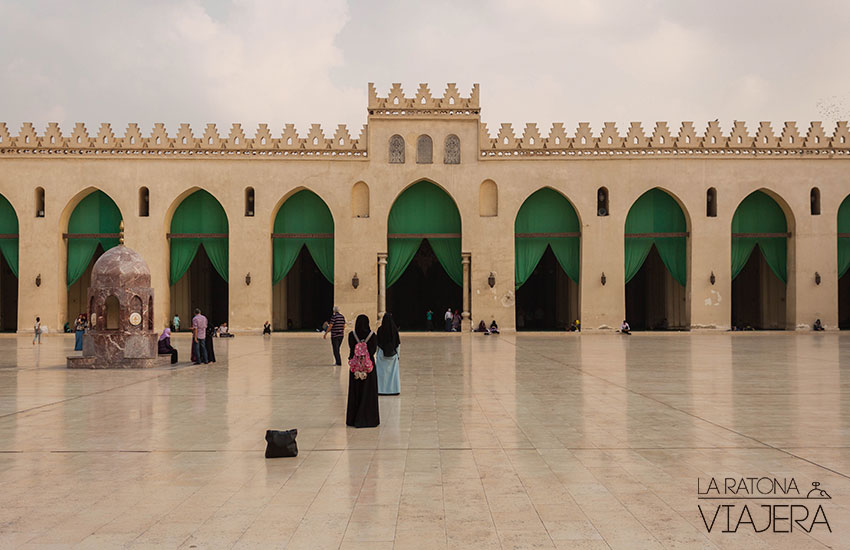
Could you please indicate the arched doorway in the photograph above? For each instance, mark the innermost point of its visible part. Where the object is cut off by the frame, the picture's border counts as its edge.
(303, 266)
(656, 263)
(198, 270)
(844, 264)
(93, 228)
(547, 236)
(8, 266)
(424, 267)
(759, 264)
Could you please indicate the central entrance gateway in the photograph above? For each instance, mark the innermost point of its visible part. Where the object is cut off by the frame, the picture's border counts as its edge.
(424, 266)
(199, 260)
(656, 259)
(303, 267)
(547, 245)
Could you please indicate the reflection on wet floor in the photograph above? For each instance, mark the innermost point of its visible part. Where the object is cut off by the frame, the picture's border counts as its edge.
(538, 440)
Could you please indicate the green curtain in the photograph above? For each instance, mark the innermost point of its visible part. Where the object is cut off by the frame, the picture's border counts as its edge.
(636, 251)
(9, 226)
(449, 255)
(546, 211)
(303, 212)
(399, 254)
(97, 213)
(656, 212)
(759, 213)
(199, 213)
(424, 208)
(844, 242)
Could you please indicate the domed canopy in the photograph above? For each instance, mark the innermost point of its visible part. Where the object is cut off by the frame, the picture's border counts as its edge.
(121, 267)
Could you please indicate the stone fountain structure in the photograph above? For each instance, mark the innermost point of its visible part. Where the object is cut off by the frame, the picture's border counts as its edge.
(120, 312)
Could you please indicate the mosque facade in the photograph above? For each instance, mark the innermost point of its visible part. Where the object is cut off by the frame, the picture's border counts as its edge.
(668, 226)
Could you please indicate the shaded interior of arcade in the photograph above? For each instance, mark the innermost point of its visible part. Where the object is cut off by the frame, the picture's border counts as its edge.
(303, 263)
(198, 269)
(656, 260)
(547, 242)
(424, 266)
(759, 264)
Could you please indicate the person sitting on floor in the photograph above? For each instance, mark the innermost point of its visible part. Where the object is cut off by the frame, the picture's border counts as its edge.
(818, 325)
(224, 331)
(482, 327)
(625, 328)
(494, 328)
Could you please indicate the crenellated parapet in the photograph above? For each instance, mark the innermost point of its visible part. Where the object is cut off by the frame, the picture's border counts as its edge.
(636, 142)
(423, 103)
(185, 142)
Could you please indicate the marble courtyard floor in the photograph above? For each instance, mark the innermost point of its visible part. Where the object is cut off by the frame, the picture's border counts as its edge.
(529, 441)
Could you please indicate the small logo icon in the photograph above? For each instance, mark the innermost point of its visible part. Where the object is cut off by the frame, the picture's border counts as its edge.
(815, 492)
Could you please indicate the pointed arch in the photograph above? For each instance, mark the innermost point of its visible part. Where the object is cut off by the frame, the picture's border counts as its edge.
(546, 219)
(199, 219)
(9, 234)
(424, 210)
(844, 237)
(303, 219)
(95, 220)
(760, 220)
(656, 218)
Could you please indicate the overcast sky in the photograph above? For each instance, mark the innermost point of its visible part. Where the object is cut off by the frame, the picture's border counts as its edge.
(307, 61)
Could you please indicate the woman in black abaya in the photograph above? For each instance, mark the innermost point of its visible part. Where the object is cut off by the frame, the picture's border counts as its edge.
(362, 394)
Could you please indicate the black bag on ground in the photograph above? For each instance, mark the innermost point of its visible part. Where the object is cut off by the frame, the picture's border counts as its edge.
(281, 443)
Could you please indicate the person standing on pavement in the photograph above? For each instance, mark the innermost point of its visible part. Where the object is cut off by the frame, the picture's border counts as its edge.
(336, 326)
(199, 335)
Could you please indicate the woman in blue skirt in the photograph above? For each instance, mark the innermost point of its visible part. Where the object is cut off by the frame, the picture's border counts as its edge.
(386, 359)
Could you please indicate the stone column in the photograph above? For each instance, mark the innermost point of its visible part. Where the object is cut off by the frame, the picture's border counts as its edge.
(382, 284)
(466, 324)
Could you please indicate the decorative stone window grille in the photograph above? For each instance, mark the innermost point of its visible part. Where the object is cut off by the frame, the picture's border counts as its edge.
(452, 152)
(396, 149)
(424, 150)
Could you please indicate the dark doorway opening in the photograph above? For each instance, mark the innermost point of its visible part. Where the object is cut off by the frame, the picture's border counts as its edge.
(423, 285)
(844, 301)
(549, 298)
(654, 299)
(307, 299)
(758, 296)
(8, 297)
(78, 300)
(203, 288)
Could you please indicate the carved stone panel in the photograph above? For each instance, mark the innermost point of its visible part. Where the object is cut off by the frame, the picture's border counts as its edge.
(396, 149)
(452, 152)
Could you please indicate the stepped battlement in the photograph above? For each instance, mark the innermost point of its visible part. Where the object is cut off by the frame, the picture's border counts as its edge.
(737, 141)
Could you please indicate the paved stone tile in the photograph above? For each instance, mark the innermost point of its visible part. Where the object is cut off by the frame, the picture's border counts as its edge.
(516, 441)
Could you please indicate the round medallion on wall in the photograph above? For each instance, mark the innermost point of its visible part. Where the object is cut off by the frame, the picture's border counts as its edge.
(135, 319)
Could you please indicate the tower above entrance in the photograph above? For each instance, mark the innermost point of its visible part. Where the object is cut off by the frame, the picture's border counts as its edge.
(423, 103)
